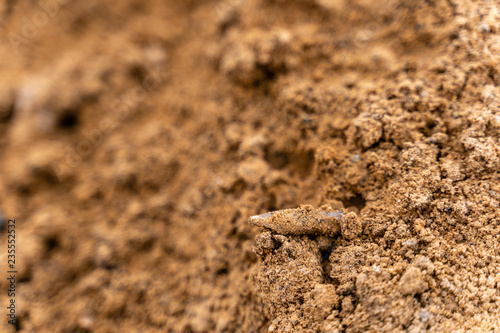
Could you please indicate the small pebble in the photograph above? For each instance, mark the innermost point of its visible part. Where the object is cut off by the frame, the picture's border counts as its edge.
(351, 226)
(300, 221)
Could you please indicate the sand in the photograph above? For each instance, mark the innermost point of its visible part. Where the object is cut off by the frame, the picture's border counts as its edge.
(139, 137)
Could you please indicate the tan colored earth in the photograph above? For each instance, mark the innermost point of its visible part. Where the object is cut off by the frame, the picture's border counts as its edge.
(138, 137)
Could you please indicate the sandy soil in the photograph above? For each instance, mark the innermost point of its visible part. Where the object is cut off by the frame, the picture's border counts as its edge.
(138, 137)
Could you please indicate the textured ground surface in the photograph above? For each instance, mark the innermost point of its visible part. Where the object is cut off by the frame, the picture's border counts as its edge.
(138, 137)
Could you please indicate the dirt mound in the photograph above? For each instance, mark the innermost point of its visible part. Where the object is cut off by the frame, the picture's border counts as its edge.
(138, 139)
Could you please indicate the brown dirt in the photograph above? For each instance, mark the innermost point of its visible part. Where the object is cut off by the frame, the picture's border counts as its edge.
(138, 137)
